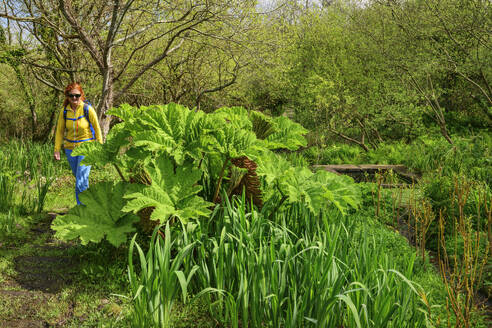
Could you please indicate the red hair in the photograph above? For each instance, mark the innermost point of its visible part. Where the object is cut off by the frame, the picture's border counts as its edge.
(71, 87)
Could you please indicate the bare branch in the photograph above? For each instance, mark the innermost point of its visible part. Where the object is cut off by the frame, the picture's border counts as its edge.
(134, 34)
(51, 68)
(183, 28)
(112, 28)
(435, 12)
(156, 60)
(51, 85)
(224, 85)
(126, 7)
(19, 19)
(466, 77)
(153, 24)
(345, 137)
(217, 37)
(142, 46)
(143, 29)
(475, 84)
(66, 8)
(97, 18)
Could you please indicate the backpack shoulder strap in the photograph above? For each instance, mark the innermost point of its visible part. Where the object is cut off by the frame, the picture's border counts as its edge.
(86, 114)
(86, 110)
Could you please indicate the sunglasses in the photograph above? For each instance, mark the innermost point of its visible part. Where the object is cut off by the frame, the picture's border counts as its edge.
(71, 95)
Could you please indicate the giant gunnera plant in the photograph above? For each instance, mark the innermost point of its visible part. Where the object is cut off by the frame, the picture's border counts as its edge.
(176, 164)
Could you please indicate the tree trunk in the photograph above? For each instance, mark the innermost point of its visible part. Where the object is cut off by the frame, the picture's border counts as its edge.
(445, 134)
(105, 121)
(29, 99)
(45, 134)
(54, 105)
(107, 97)
(34, 120)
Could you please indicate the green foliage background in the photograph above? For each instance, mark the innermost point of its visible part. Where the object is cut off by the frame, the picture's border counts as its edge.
(364, 70)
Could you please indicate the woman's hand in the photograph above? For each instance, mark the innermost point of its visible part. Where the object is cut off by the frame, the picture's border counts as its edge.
(57, 155)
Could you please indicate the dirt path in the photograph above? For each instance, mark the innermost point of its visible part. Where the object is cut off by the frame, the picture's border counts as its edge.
(31, 293)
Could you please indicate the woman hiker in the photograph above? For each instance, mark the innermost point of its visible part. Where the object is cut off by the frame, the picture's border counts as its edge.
(77, 123)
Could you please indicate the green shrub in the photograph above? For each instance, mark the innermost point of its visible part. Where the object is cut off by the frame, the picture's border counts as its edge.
(468, 156)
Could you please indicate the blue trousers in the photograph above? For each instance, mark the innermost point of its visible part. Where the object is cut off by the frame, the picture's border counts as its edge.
(80, 172)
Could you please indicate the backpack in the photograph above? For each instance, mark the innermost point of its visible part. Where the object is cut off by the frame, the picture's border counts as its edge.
(86, 116)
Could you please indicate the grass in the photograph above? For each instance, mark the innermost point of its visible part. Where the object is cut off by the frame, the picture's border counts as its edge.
(95, 274)
(99, 272)
(29, 255)
(30, 269)
(268, 275)
(363, 262)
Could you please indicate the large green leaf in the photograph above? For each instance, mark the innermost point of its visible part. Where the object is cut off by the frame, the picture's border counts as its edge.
(289, 135)
(299, 185)
(126, 112)
(301, 189)
(100, 217)
(172, 129)
(271, 166)
(263, 125)
(228, 140)
(117, 142)
(341, 190)
(236, 116)
(318, 190)
(173, 192)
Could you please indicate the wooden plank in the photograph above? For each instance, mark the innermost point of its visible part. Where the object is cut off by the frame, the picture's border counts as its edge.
(401, 170)
(340, 169)
(398, 185)
(337, 167)
(409, 177)
(362, 167)
(327, 169)
(382, 167)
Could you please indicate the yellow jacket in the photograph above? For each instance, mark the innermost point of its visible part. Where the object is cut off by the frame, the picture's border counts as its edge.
(75, 129)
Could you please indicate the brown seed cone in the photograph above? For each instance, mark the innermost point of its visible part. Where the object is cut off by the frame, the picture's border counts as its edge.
(146, 223)
(141, 177)
(250, 182)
